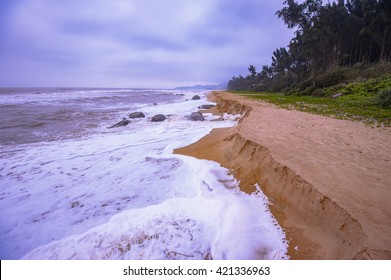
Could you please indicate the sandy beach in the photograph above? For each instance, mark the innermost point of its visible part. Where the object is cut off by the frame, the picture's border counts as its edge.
(328, 180)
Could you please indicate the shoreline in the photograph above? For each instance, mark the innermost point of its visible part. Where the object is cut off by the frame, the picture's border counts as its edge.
(328, 180)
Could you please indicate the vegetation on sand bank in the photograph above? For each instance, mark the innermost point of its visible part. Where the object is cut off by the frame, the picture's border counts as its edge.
(333, 42)
(338, 62)
(368, 101)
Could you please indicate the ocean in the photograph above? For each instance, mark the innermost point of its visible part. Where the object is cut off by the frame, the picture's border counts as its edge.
(71, 188)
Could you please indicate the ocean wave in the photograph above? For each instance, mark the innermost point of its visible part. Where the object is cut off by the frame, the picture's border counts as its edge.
(122, 194)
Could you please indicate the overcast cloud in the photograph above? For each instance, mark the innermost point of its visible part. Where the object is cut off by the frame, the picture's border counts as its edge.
(135, 43)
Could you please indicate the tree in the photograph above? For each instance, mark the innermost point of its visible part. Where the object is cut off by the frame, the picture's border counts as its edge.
(377, 25)
(281, 60)
(330, 35)
(252, 70)
(267, 71)
(300, 64)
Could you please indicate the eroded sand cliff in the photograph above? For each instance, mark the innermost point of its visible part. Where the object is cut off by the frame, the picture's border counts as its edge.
(329, 180)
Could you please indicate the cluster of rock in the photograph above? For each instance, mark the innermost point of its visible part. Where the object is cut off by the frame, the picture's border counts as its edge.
(196, 116)
(125, 122)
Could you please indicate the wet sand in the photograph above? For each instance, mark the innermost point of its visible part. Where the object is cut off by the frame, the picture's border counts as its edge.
(328, 180)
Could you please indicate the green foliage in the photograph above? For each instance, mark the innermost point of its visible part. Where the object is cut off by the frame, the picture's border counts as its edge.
(334, 42)
(305, 84)
(308, 90)
(341, 49)
(368, 101)
(383, 98)
(330, 78)
(369, 87)
(356, 109)
(281, 60)
(252, 70)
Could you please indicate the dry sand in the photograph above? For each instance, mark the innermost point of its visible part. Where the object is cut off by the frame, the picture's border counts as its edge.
(329, 180)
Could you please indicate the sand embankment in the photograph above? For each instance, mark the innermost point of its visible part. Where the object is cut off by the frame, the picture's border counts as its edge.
(329, 180)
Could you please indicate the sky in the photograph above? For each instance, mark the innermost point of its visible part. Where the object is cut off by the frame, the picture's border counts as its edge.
(135, 43)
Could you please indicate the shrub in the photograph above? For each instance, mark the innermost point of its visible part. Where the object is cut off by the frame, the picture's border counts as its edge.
(318, 92)
(383, 98)
(308, 91)
(331, 78)
(303, 85)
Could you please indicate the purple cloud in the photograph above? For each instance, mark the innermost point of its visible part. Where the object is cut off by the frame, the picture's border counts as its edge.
(135, 43)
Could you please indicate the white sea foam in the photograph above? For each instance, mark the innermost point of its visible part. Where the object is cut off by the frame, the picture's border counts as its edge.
(122, 194)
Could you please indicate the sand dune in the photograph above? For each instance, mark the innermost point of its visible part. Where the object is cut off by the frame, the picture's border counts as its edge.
(329, 180)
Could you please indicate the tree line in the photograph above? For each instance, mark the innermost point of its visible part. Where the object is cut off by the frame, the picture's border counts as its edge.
(327, 37)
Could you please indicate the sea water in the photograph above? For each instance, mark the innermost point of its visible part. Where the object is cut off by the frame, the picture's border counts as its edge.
(70, 188)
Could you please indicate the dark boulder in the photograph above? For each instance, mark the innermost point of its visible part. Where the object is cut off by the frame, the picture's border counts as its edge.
(124, 122)
(196, 116)
(196, 97)
(136, 115)
(206, 107)
(158, 118)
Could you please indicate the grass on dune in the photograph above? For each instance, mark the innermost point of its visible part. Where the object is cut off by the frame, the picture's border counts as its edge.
(368, 101)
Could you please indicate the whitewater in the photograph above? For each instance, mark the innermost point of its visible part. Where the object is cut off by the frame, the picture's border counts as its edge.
(70, 188)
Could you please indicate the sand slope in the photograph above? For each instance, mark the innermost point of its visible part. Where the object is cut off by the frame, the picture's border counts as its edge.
(329, 180)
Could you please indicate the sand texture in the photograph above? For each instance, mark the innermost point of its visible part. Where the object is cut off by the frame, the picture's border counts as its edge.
(329, 180)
